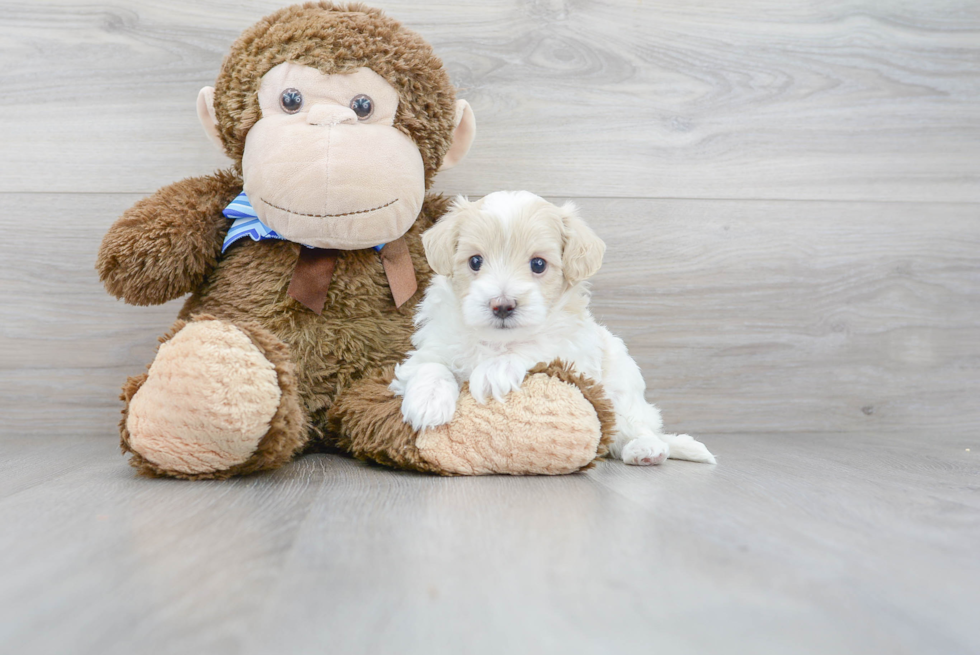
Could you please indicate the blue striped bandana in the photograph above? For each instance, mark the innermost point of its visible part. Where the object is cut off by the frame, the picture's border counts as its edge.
(247, 224)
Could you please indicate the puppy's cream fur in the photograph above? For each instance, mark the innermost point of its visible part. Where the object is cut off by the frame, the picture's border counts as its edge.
(459, 336)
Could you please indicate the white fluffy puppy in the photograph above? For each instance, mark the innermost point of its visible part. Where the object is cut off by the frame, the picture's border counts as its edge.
(510, 292)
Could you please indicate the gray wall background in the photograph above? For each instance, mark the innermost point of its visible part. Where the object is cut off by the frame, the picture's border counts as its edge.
(790, 191)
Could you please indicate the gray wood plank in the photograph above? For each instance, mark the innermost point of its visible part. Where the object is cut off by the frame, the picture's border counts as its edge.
(794, 316)
(826, 544)
(745, 316)
(861, 99)
(827, 352)
(142, 573)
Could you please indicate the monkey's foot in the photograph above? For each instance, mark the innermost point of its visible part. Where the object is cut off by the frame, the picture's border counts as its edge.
(552, 425)
(558, 422)
(218, 400)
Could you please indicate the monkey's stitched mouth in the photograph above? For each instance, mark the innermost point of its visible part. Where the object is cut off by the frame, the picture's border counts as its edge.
(359, 211)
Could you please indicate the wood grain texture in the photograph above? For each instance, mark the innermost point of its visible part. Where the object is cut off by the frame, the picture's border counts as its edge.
(790, 193)
(744, 315)
(797, 316)
(858, 99)
(830, 544)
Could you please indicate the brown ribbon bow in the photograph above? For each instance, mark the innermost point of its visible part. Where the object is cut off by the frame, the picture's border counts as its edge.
(314, 270)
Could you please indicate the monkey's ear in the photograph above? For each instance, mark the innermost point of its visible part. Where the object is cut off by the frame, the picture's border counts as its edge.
(463, 135)
(209, 120)
(440, 240)
(582, 253)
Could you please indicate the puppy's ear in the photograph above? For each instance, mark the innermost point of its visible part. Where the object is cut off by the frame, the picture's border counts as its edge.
(582, 252)
(440, 240)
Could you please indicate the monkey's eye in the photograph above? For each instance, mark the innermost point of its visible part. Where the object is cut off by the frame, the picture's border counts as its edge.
(538, 265)
(363, 106)
(476, 262)
(291, 100)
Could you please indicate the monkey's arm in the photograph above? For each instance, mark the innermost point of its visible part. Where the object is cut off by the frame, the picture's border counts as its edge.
(163, 246)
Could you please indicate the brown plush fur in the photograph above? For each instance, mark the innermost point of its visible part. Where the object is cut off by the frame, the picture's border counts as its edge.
(368, 417)
(287, 432)
(316, 357)
(359, 331)
(169, 244)
(369, 423)
(165, 245)
(338, 39)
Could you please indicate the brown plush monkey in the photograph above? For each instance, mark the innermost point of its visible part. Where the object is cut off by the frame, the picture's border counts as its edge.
(337, 119)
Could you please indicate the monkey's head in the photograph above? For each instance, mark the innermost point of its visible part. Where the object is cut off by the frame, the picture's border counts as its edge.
(338, 119)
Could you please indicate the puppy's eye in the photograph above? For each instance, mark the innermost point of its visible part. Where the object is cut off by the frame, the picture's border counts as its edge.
(363, 106)
(291, 100)
(538, 265)
(476, 262)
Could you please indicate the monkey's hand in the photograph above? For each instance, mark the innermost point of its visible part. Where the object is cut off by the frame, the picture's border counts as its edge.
(163, 246)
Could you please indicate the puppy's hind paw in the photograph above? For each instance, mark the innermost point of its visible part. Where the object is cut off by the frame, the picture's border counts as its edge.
(645, 451)
(684, 446)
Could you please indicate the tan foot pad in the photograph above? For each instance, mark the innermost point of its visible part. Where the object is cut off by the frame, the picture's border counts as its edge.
(545, 428)
(208, 400)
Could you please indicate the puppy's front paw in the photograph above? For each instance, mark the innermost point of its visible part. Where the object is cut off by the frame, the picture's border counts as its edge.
(497, 377)
(430, 399)
(645, 451)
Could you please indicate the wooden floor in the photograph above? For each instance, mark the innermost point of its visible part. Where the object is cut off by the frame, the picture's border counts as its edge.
(790, 194)
(813, 543)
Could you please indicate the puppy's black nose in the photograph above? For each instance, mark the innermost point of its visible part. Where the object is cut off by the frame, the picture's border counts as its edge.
(504, 309)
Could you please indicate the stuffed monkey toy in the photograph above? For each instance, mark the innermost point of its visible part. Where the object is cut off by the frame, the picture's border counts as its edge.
(304, 261)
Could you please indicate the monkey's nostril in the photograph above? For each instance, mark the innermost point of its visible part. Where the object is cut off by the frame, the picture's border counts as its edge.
(325, 115)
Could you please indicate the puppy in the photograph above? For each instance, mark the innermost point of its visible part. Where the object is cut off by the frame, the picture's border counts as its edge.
(510, 292)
